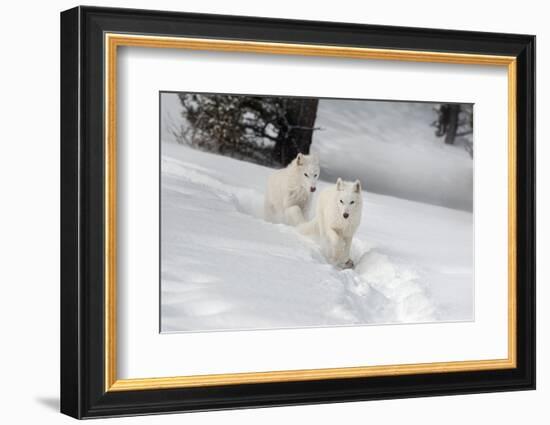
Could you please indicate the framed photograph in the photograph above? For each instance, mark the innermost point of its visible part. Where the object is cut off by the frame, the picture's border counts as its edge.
(261, 212)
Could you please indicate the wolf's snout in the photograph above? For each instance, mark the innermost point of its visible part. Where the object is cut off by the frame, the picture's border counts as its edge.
(346, 215)
(312, 189)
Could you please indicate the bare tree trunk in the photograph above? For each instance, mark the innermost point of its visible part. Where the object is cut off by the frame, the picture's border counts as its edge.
(297, 131)
(452, 126)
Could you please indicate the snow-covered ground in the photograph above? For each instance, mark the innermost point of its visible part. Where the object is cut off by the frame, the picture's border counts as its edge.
(224, 267)
(393, 150)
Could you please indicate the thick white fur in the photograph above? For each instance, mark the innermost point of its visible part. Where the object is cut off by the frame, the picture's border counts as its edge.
(335, 231)
(290, 190)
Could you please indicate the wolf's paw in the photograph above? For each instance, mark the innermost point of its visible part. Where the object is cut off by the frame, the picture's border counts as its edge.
(348, 264)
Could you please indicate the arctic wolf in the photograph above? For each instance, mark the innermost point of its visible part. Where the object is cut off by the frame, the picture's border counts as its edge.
(337, 217)
(289, 190)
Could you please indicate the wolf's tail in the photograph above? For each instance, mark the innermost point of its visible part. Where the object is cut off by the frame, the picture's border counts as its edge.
(309, 228)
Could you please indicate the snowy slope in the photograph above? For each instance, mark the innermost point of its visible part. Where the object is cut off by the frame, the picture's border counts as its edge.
(392, 149)
(223, 267)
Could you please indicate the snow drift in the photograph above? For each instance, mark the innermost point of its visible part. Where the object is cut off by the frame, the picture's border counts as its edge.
(225, 268)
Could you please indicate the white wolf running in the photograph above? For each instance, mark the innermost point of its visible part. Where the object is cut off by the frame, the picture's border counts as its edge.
(289, 190)
(338, 216)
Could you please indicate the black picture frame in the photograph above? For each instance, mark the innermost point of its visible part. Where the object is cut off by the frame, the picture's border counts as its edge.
(83, 392)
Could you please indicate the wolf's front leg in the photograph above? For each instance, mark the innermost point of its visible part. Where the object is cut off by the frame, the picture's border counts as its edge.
(294, 215)
(345, 259)
(335, 246)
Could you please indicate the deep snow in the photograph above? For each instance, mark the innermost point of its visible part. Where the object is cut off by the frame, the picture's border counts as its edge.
(224, 268)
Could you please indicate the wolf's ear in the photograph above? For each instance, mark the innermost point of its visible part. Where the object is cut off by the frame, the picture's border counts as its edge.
(314, 157)
(300, 159)
(339, 184)
(357, 186)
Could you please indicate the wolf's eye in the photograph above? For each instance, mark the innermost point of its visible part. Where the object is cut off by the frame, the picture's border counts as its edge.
(315, 176)
(352, 202)
(341, 201)
(305, 174)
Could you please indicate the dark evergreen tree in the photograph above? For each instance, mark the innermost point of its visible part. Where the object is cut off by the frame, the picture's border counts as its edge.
(455, 122)
(265, 130)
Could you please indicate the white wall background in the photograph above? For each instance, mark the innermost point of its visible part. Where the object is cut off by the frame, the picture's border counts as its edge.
(29, 210)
